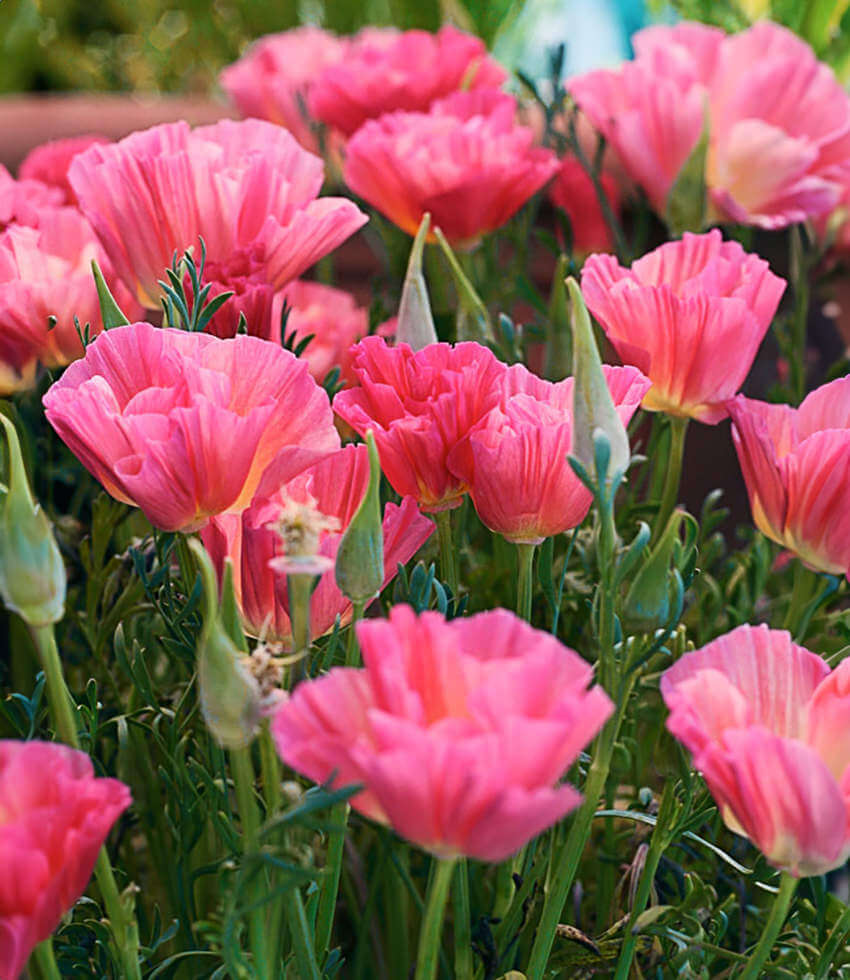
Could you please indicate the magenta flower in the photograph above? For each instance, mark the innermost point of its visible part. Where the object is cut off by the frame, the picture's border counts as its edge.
(458, 731)
(767, 724)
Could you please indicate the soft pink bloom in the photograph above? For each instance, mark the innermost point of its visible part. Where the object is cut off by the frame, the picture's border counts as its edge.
(419, 405)
(779, 122)
(459, 731)
(247, 188)
(272, 80)
(691, 315)
(466, 161)
(21, 201)
(49, 162)
(769, 728)
(572, 191)
(186, 426)
(335, 486)
(515, 460)
(384, 72)
(54, 817)
(796, 464)
(46, 272)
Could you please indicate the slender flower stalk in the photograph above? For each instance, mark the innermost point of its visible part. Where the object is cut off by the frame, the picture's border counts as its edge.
(432, 924)
(45, 960)
(772, 928)
(462, 922)
(448, 555)
(673, 477)
(525, 580)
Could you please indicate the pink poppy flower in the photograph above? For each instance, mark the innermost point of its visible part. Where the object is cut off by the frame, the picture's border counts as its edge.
(383, 72)
(49, 162)
(272, 80)
(186, 426)
(335, 487)
(779, 121)
(465, 161)
(796, 464)
(247, 188)
(21, 201)
(46, 272)
(54, 817)
(515, 460)
(459, 731)
(573, 192)
(691, 315)
(767, 724)
(419, 405)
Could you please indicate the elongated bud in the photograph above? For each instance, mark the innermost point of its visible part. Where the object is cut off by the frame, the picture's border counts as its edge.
(473, 318)
(593, 407)
(32, 574)
(360, 558)
(648, 601)
(229, 693)
(415, 321)
(110, 312)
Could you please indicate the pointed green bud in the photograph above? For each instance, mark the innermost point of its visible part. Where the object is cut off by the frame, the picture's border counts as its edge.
(32, 574)
(110, 312)
(415, 321)
(229, 694)
(473, 319)
(360, 558)
(648, 603)
(593, 408)
(687, 202)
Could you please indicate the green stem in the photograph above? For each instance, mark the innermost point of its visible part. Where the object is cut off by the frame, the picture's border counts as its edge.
(432, 925)
(299, 589)
(62, 710)
(462, 923)
(299, 930)
(670, 493)
(46, 961)
(836, 938)
(800, 595)
(799, 323)
(772, 928)
(525, 579)
(351, 649)
(448, 555)
(242, 768)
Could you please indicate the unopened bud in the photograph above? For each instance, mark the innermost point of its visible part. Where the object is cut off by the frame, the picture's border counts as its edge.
(360, 558)
(415, 321)
(648, 601)
(32, 574)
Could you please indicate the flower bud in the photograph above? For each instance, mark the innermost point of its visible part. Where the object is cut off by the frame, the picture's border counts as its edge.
(110, 312)
(32, 574)
(360, 558)
(415, 321)
(593, 407)
(229, 693)
(648, 602)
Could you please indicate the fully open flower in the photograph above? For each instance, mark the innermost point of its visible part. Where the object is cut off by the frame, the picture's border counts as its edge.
(247, 188)
(184, 425)
(21, 201)
(768, 726)
(459, 731)
(691, 315)
(54, 818)
(796, 464)
(49, 162)
(383, 72)
(45, 272)
(272, 80)
(515, 460)
(419, 406)
(334, 487)
(466, 162)
(779, 122)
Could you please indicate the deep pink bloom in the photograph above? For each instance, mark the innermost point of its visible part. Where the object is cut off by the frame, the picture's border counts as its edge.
(515, 460)
(335, 486)
(272, 80)
(383, 72)
(769, 728)
(466, 161)
(459, 731)
(779, 121)
(247, 188)
(21, 201)
(49, 162)
(573, 192)
(691, 315)
(186, 426)
(796, 464)
(419, 405)
(46, 272)
(54, 817)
